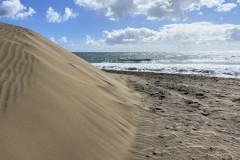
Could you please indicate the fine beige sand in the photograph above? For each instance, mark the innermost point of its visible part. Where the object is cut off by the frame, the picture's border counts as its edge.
(186, 117)
(55, 106)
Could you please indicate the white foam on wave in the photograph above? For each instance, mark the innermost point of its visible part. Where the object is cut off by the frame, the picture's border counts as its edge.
(209, 69)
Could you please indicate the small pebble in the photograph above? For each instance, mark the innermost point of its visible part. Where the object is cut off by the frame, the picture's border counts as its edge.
(200, 121)
(205, 113)
(176, 118)
(196, 128)
(161, 136)
(195, 106)
(189, 110)
(154, 152)
(188, 102)
(209, 124)
(225, 140)
(158, 108)
(199, 94)
(147, 155)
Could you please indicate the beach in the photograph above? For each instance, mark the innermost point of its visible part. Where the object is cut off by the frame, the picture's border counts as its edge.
(185, 116)
(57, 106)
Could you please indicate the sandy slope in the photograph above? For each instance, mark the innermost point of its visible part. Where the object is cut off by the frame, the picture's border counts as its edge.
(56, 106)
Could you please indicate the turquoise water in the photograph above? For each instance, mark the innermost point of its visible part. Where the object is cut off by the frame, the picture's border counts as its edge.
(220, 64)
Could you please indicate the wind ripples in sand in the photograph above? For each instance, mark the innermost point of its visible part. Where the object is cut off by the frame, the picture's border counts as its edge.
(16, 67)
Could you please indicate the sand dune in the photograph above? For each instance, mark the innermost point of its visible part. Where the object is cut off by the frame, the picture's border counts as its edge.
(54, 105)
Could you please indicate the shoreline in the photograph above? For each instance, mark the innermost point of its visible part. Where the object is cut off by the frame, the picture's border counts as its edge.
(185, 116)
(177, 74)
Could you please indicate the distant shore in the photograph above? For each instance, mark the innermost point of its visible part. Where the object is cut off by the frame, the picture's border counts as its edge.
(185, 116)
(140, 73)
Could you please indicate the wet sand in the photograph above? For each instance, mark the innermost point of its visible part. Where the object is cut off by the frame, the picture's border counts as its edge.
(185, 116)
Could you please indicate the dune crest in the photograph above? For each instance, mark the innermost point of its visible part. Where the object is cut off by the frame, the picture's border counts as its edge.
(55, 105)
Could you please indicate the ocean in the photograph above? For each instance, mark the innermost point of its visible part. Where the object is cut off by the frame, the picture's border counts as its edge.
(215, 63)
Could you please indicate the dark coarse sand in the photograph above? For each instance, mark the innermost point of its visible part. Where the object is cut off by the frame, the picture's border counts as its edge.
(186, 116)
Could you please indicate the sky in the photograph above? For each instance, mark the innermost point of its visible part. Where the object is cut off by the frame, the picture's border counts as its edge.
(130, 25)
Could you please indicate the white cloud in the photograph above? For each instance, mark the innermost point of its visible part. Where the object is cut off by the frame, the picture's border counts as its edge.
(129, 35)
(234, 34)
(68, 14)
(60, 40)
(63, 40)
(15, 10)
(202, 33)
(53, 39)
(211, 3)
(153, 9)
(24, 15)
(55, 17)
(92, 42)
(238, 1)
(226, 7)
(200, 13)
